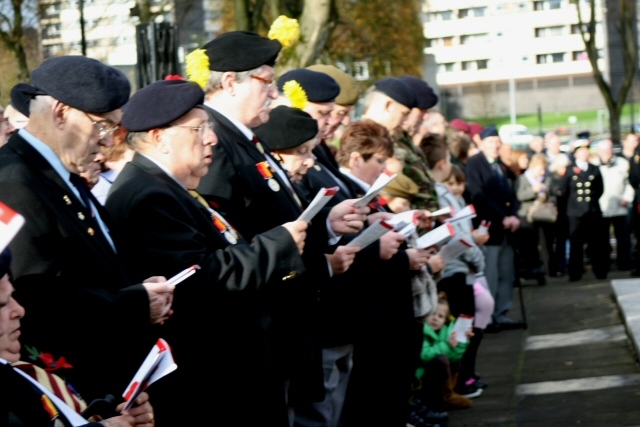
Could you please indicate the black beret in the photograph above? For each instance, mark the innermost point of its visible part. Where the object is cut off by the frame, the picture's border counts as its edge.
(287, 128)
(241, 51)
(584, 135)
(320, 87)
(5, 261)
(21, 96)
(425, 96)
(397, 90)
(160, 104)
(82, 83)
(490, 130)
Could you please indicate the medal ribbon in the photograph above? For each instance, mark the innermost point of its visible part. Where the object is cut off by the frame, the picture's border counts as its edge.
(218, 220)
(260, 148)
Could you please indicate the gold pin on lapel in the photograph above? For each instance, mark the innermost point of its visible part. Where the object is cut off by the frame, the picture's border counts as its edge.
(90, 231)
(81, 216)
(66, 199)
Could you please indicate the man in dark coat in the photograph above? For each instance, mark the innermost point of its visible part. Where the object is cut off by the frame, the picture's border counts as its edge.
(67, 271)
(492, 195)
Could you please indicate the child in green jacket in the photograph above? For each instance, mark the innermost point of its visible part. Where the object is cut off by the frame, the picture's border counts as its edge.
(440, 357)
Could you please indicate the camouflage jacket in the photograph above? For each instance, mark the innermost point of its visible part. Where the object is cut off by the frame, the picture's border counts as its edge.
(417, 169)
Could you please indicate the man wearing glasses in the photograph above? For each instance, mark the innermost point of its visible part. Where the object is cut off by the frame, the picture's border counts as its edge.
(67, 270)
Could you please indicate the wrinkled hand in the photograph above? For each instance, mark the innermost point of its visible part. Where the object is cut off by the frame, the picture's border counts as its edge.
(160, 298)
(418, 258)
(389, 244)
(298, 231)
(119, 421)
(425, 222)
(480, 238)
(624, 203)
(453, 339)
(342, 258)
(469, 333)
(511, 223)
(385, 216)
(142, 412)
(344, 218)
(436, 263)
(515, 223)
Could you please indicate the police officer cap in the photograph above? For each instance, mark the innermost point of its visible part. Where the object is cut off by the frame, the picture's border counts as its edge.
(580, 143)
(5, 261)
(425, 96)
(349, 92)
(241, 51)
(21, 96)
(160, 104)
(490, 130)
(82, 83)
(397, 90)
(402, 186)
(287, 128)
(320, 87)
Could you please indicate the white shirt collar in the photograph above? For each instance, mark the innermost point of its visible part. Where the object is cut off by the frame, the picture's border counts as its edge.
(358, 181)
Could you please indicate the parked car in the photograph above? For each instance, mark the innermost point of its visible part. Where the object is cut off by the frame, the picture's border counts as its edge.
(516, 135)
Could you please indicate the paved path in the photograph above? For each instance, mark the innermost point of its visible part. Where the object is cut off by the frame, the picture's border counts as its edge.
(574, 366)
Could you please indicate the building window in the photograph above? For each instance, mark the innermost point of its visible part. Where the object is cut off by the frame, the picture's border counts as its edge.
(549, 31)
(445, 15)
(480, 64)
(473, 38)
(580, 56)
(549, 58)
(547, 4)
(447, 41)
(474, 12)
(447, 67)
(52, 31)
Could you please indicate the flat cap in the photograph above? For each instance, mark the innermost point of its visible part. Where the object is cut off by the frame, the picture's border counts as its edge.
(287, 128)
(160, 104)
(475, 129)
(241, 51)
(397, 90)
(402, 186)
(425, 96)
(21, 96)
(490, 130)
(320, 87)
(82, 83)
(349, 92)
(459, 124)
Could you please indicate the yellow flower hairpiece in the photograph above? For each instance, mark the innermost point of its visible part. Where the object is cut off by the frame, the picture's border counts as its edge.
(198, 67)
(285, 30)
(295, 94)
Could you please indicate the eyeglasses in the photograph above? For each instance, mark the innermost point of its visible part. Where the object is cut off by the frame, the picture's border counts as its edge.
(102, 131)
(201, 130)
(268, 82)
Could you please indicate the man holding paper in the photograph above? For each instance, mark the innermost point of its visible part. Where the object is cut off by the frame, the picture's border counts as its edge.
(171, 228)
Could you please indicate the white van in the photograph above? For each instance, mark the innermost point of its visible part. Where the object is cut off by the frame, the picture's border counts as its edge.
(516, 135)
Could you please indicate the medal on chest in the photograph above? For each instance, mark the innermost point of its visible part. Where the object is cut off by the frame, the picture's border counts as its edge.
(223, 227)
(265, 170)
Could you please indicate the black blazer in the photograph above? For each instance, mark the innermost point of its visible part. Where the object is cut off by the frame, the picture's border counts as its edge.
(80, 302)
(168, 230)
(583, 190)
(492, 199)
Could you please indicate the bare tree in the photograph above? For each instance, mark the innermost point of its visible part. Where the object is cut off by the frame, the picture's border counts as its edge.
(12, 34)
(624, 12)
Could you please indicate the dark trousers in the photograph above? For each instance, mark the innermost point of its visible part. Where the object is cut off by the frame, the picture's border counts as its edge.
(623, 240)
(557, 238)
(589, 229)
(437, 380)
(459, 294)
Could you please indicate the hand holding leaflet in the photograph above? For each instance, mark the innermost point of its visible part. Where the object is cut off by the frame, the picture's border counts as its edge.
(10, 223)
(443, 211)
(318, 202)
(454, 248)
(405, 222)
(183, 275)
(484, 227)
(384, 178)
(371, 234)
(463, 322)
(436, 237)
(467, 213)
(158, 363)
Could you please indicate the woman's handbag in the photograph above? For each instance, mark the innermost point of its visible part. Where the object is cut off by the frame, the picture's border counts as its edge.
(542, 212)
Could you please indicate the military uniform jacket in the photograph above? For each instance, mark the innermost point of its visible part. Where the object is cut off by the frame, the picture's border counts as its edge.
(583, 191)
(492, 197)
(235, 186)
(169, 230)
(417, 169)
(81, 303)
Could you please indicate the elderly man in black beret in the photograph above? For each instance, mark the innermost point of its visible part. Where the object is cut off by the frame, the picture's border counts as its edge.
(170, 229)
(249, 185)
(388, 102)
(67, 270)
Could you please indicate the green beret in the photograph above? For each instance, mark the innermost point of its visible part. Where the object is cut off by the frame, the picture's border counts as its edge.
(402, 186)
(349, 92)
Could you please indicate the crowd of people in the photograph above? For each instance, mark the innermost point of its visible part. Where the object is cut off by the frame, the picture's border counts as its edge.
(286, 322)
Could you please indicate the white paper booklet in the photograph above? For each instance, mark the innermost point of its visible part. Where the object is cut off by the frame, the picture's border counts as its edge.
(467, 212)
(405, 223)
(384, 178)
(318, 202)
(371, 234)
(10, 223)
(436, 237)
(454, 248)
(463, 322)
(443, 211)
(158, 363)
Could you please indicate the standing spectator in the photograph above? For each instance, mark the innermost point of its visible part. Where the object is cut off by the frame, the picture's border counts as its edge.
(584, 188)
(559, 176)
(491, 192)
(435, 123)
(629, 145)
(616, 200)
(552, 144)
(536, 146)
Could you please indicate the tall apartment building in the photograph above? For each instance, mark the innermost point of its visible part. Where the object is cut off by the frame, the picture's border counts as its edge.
(480, 47)
(110, 30)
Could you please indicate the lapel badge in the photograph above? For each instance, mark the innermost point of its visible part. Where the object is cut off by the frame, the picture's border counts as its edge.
(66, 199)
(81, 216)
(91, 231)
(317, 167)
(273, 184)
